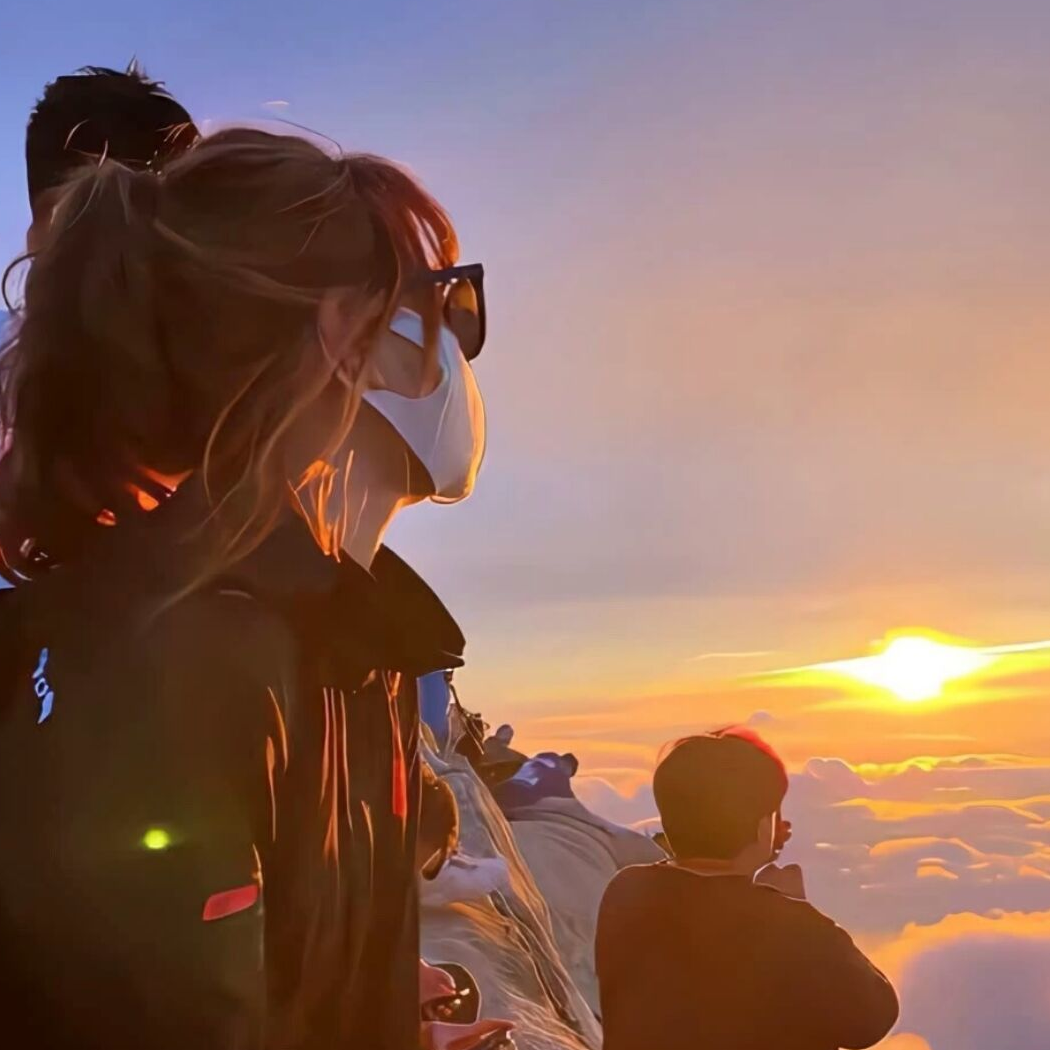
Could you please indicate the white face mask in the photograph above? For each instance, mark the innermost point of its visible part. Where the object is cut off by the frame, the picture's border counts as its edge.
(446, 428)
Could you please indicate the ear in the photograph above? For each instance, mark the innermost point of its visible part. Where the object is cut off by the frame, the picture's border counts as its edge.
(43, 207)
(37, 233)
(34, 236)
(767, 827)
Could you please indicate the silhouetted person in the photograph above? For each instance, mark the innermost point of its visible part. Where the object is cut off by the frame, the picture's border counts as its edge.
(95, 112)
(697, 953)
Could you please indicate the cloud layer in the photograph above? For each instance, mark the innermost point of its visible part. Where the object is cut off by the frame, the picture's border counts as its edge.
(973, 982)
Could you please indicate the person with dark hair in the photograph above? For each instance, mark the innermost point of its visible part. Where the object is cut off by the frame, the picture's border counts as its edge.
(226, 381)
(94, 112)
(98, 112)
(717, 948)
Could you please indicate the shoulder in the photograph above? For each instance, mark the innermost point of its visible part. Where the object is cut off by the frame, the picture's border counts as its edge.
(228, 660)
(110, 630)
(642, 903)
(795, 914)
(625, 906)
(225, 628)
(639, 886)
(637, 875)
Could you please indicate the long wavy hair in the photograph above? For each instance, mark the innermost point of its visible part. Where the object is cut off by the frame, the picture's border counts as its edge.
(170, 325)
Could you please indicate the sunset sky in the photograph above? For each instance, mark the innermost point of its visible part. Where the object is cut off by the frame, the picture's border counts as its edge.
(767, 376)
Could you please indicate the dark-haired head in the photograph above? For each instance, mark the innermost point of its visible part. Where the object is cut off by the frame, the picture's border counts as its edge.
(98, 112)
(215, 318)
(719, 795)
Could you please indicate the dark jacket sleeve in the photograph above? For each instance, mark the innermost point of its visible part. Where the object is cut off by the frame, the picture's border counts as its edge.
(839, 995)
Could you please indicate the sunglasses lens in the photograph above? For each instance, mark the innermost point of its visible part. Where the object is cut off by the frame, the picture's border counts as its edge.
(462, 313)
(461, 296)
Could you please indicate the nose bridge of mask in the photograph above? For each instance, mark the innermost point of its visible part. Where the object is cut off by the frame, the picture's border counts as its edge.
(427, 410)
(440, 426)
(409, 325)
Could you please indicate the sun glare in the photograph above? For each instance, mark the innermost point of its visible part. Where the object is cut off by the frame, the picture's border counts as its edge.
(917, 665)
(912, 667)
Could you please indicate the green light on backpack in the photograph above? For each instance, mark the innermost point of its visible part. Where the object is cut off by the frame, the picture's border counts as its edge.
(156, 839)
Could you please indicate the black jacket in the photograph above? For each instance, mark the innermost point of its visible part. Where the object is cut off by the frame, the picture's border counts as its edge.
(715, 962)
(158, 770)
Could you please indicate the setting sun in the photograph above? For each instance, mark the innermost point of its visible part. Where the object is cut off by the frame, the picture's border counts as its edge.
(913, 667)
(916, 665)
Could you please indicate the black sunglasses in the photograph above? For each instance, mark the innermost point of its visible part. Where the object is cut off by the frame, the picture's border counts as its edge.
(464, 303)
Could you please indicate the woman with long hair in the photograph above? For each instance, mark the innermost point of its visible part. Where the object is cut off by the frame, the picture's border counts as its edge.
(226, 379)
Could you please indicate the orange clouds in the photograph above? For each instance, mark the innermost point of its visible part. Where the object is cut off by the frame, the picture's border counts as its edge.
(934, 870)
(1004, 715)
(917, 940)
(895, 846)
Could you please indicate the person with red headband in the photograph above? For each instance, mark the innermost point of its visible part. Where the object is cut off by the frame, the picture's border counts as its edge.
(717, 948)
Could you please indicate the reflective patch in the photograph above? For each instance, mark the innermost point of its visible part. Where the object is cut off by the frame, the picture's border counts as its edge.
(229, 902)
(44, 693)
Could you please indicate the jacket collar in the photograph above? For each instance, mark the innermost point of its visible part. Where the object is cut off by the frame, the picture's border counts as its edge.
(388, 615)
(384, 618)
